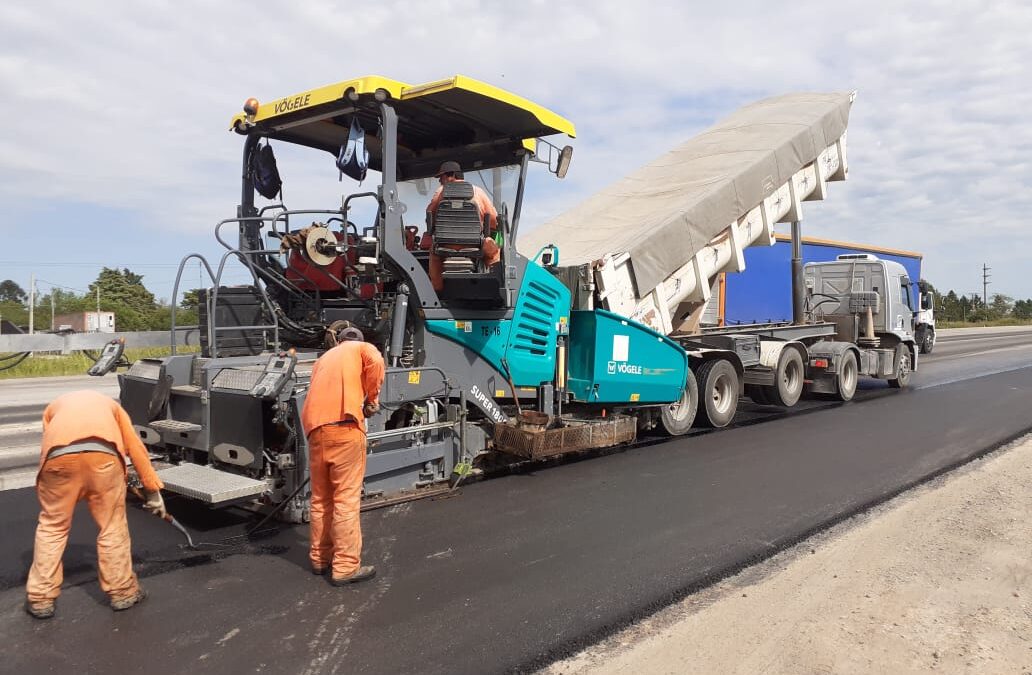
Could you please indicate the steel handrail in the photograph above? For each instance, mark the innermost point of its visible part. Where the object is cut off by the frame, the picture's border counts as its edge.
(215, 296)
(175, 293)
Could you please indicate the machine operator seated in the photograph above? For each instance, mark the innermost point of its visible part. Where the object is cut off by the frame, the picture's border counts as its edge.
(467, 244)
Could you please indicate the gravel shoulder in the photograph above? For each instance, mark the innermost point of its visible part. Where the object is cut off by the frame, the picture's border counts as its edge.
(936, 580)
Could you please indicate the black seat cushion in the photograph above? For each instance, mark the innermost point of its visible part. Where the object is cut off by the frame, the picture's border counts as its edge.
(458, 221)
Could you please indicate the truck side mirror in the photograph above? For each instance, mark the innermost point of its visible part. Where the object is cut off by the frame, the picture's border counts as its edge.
(927, 301)
(563, 165)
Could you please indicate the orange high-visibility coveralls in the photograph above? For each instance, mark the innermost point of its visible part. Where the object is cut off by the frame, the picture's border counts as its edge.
(98, 478)
(490, 250)
(343, 379)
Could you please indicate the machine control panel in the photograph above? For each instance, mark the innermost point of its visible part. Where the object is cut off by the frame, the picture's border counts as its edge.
(277, 373)
(109, 358)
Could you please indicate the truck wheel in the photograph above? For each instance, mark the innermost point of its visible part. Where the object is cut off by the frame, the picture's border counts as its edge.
(927, 342)
(902, 367)
(788, 379)
(847, 377)
(718, 392)
(677, 418)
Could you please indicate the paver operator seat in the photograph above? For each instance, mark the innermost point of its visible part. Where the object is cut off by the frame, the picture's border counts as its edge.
(457, 230)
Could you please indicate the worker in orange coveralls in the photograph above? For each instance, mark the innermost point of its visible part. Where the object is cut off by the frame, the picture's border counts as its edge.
(86, 438)
(450, 172)
(344, 390)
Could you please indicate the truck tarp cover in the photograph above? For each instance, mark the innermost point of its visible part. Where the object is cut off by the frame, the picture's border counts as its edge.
(664, 212)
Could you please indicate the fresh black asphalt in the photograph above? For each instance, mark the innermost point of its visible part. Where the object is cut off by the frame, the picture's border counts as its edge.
(513, 572)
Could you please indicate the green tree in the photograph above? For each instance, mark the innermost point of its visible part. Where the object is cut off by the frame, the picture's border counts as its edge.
(1023, 309)
(190, 299)
(1001, 305)
(12, 292)
(123, 292)
(15, 312)
(162, 318)
(950, 307)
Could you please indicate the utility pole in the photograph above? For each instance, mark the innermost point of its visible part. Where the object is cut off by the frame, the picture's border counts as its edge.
(32, 303)
(985, 285)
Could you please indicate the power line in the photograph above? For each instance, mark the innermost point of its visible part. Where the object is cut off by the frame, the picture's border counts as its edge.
(22, 263)
(66, 288)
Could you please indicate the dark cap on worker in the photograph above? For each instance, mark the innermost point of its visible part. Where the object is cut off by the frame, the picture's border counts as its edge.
(448, 167)
(349, 333)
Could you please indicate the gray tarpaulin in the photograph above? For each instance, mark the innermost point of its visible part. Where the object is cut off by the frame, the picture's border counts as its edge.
(667, 210)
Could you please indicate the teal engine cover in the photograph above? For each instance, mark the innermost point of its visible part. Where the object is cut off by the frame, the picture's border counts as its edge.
(527, 342)
(616, 360)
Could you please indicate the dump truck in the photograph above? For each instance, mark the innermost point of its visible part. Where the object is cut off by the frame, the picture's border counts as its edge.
(763, 293)
(652, 245)
(522, 359)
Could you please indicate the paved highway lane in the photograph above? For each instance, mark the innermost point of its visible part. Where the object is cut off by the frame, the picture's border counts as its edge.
(965, 353)
(22, 402)
(517, 570)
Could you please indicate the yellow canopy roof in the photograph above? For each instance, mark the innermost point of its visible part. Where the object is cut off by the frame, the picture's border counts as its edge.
(458, 118)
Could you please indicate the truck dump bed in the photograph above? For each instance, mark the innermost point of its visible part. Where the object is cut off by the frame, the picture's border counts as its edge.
(654, 240)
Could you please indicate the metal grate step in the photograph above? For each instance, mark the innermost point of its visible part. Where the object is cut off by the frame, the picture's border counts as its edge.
(174, 425)
(208, 484)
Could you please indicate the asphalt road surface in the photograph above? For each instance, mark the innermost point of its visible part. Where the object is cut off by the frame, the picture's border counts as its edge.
(21, 408)
(516, 571)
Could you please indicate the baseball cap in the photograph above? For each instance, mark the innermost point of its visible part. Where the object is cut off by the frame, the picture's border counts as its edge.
(349, 333)
(448, 167)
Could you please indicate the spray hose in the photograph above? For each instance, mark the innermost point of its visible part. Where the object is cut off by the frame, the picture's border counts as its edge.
(235, 540)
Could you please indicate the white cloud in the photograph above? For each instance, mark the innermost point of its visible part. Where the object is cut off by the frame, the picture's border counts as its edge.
(124, 105)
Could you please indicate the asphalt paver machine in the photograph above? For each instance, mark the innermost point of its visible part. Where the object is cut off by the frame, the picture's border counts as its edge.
(495, 359)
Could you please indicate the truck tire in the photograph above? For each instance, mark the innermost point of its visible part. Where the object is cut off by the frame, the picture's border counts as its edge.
(846, 379)
(927, 341)
(677, 418)
(718, 392)
(902, 367)
(789, 378)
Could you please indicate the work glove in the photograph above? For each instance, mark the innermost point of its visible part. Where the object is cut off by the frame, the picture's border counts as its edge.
(370, 409)
(155, 504)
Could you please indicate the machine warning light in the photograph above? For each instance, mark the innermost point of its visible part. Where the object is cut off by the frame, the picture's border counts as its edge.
(251, 108)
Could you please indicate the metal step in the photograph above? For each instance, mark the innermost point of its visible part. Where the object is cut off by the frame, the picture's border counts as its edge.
(174, 425)
(186, 390)
(209, 485)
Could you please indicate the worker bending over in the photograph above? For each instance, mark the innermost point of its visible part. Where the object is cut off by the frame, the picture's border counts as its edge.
(86, 438)
(344, 390)
(448, 173)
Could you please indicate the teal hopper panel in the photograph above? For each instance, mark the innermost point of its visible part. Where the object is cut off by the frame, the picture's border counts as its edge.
(616, 360)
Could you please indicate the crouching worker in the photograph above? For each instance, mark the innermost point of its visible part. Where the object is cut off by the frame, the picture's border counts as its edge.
(86, 438)
(344, 390)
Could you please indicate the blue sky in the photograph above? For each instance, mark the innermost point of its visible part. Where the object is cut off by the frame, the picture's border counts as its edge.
(115, 149)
